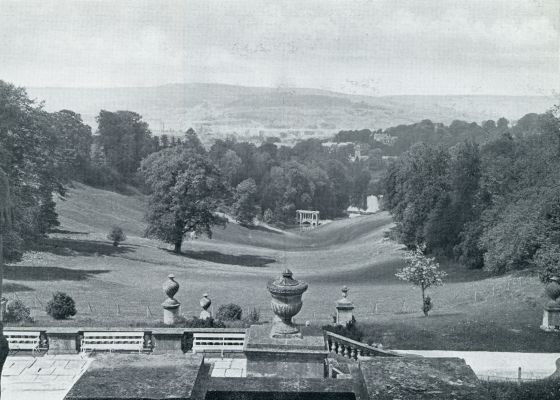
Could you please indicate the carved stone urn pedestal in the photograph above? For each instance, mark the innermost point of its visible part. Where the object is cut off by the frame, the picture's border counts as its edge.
(170, 305)
(286, 302)
(551, 312)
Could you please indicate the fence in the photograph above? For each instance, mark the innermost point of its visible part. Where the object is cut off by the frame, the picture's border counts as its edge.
(316, 309)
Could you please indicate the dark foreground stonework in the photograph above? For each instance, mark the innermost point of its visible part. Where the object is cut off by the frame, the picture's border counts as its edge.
(414, 378)
(140, 376)
(187, 377)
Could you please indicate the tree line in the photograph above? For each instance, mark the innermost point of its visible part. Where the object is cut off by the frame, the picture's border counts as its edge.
(491, 203)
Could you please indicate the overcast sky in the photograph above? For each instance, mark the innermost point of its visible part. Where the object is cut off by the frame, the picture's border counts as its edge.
(371, 47)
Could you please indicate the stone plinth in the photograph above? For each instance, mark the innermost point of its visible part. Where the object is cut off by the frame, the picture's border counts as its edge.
(133, 376)
(289, 357)
(551, 318)
(170, 311)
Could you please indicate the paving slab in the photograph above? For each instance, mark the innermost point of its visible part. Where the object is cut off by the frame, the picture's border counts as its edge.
(49, 377)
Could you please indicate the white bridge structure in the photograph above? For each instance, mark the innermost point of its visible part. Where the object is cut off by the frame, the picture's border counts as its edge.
(307, 217)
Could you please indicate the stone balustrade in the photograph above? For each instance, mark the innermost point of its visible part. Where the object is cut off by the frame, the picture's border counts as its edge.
(67, 340)
(353, 349)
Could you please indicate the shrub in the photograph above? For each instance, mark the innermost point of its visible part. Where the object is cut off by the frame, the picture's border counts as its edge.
(196, 322)
(229, 312)
(16, 311)
(61, 306)
(116, 235)
(351, 330)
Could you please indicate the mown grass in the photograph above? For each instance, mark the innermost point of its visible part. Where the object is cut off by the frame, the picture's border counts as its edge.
(122, 285)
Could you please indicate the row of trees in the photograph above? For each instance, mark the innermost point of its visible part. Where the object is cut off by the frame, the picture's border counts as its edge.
(494, 205)
(39, 152)
(272, 182)
(438, 134)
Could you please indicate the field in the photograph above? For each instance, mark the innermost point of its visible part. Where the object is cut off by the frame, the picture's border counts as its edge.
(122, 285)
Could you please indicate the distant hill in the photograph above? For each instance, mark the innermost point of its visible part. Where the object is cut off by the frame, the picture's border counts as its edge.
(221, 109)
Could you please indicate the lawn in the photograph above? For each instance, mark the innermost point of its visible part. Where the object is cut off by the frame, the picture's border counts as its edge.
(122, 285)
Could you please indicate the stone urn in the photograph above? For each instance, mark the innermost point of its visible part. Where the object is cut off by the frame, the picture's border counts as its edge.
(286, 302)
(551, 312)
(552, 290)
(205, 303)
(170, 305)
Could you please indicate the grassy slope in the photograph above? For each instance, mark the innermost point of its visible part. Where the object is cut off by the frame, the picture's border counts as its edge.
(123, 285)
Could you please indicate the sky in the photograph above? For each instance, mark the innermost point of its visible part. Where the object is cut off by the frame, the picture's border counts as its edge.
(372, 47)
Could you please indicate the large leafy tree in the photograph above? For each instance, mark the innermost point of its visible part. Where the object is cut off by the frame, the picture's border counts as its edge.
(186, 191)
(245, 206)
(125, 140)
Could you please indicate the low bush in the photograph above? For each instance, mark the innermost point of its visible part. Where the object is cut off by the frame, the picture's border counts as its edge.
(16, 311)
(229, 312)
(61, 306)
(116, 235)
(203, 323)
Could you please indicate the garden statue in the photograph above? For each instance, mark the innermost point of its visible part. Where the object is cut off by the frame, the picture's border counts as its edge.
(5, 222)
(170, 305)
(205, 303)
(551, 313)
(286, 303)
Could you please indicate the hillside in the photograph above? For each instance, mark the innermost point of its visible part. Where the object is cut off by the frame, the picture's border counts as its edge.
(215, 109)
(122, 285)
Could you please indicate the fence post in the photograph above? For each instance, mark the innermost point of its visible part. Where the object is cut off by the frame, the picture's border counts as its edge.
(475, 296)
(118, 309)
(519, 375)
(375, 309)
(403, 308)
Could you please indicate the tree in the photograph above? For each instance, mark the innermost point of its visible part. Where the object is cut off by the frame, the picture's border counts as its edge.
(35, 157)
(245, 206)
(116, 235)
(423, 272)
(125, 139)
(186, 190)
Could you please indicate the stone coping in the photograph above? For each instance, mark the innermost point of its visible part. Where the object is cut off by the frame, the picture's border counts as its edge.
(76, 330)
(420, 379)
(133, 376)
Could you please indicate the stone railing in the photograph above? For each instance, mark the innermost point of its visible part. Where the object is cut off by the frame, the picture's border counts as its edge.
(353, 349)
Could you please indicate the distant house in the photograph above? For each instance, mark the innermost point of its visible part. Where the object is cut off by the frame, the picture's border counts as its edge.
(384, 138)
